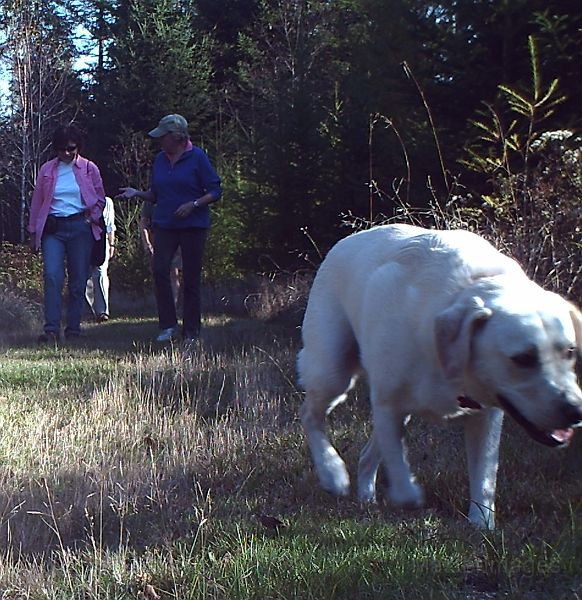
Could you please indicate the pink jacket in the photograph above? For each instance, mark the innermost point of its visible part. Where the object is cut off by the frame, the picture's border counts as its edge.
(92, 193)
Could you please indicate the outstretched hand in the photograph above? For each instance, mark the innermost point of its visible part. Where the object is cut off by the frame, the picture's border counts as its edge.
(126, 193)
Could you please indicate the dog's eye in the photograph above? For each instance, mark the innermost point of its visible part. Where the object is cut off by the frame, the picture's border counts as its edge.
(570, 353)
(526, 360)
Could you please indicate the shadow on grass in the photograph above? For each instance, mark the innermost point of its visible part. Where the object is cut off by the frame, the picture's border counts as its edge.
(78, 506)
(126, 335)
(70, 507)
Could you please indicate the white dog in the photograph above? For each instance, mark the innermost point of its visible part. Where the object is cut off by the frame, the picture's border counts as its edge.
(444, 325)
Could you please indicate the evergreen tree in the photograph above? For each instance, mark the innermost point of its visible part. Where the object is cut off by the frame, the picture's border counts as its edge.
(284, 98)
(154, 65)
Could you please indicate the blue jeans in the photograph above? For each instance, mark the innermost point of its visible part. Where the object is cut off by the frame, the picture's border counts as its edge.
(191, 241)
(70, 245)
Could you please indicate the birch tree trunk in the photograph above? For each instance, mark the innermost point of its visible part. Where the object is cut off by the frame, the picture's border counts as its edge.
(40, 69)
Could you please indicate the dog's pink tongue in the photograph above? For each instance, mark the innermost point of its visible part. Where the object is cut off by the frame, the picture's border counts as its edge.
(562, 435)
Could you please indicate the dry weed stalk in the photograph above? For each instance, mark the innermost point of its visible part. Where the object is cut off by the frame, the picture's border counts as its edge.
(137, 459)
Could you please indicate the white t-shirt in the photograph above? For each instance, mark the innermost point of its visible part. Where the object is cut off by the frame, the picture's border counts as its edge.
(109, 215)
(67, 196)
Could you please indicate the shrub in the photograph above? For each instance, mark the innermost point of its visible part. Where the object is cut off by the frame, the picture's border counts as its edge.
(535, 178)
(20, 316)
(130, 268)
(281, 295)
(542, 228)
(21, 270)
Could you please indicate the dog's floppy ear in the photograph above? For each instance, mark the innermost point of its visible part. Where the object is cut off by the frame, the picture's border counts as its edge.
(453, 331)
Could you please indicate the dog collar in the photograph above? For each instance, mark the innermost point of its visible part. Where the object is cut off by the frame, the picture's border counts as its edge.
(467, 402)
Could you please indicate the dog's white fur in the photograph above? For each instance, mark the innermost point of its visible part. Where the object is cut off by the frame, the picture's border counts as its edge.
(431, 317)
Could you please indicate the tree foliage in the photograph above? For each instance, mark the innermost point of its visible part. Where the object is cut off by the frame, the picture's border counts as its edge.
(312, 110)
(38, 56)
(156, 64)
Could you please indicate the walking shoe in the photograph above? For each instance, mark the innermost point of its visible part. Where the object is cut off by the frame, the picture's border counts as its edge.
(189, 342)
(166, 335)
(48, 337)
(101, 318)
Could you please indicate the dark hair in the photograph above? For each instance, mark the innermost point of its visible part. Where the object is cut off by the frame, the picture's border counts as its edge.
(65, 134)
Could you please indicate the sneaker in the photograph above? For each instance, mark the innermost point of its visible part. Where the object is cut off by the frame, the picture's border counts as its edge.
(189, 342)
(166, 335)
(48, 337)
(102, 318)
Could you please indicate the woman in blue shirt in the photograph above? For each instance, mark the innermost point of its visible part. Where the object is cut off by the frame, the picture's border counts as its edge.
(184, 183)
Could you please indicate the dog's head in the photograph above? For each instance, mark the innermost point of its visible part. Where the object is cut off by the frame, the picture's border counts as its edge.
(517, 349)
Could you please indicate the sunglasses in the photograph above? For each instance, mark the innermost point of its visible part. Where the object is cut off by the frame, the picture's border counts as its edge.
(71, 148)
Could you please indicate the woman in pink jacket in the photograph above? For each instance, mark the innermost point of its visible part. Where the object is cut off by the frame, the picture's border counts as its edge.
(67, 202)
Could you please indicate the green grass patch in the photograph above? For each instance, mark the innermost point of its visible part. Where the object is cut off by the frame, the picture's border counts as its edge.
(129, 468)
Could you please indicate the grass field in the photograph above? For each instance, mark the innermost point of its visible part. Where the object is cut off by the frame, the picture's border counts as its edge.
(133, 471)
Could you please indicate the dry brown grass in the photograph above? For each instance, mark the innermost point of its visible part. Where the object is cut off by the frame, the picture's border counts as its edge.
(19, 316)
(124, 464)
(280, 295)
(131, 457)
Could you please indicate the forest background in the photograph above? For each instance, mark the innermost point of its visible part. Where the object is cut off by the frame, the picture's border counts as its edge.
(132, 470)
(317, 114)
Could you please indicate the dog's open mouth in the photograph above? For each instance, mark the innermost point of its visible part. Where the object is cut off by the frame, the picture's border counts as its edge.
(554, 439)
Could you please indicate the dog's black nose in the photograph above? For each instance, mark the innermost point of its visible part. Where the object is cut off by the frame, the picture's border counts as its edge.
(572, 413)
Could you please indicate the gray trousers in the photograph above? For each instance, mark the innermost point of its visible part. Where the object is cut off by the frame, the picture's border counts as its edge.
(97, 290)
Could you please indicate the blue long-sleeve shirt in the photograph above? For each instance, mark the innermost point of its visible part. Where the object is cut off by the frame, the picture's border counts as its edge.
(190, 178)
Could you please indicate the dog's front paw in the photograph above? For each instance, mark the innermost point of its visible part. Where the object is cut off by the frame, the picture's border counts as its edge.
(333, 476)
(367, 492)
(410, 496)
(367, 485)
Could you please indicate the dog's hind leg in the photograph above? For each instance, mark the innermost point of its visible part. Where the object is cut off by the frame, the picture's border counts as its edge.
(370, 460)
(482, 437)
(331, 469)
(389, 429)
(327, 372)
